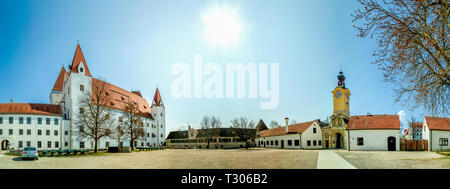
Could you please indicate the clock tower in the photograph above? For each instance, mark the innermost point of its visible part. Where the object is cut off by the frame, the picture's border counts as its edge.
(334, 134)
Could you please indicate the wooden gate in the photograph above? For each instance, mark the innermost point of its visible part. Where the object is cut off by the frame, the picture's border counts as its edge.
(413, 145)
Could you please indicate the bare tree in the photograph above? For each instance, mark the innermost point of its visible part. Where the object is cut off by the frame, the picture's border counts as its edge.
(210, 128)
(412, 122)
(94, 120)
(414, 51)
(132, 124)
(244, 129)
(274, 124)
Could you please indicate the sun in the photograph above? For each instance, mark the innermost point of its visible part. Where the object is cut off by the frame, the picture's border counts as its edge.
(222, 26)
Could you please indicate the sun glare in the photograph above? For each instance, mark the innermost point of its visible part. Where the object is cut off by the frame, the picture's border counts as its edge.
(222, 26)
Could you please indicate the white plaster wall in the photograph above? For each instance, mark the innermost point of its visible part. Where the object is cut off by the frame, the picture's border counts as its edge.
(34, 127)
(285, 139)
(435, 135)
(309, 134)
(373, 139)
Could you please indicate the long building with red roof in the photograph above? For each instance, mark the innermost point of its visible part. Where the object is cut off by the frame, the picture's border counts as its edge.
(52, 126)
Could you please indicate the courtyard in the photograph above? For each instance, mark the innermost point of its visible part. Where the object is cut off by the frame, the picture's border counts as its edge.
(255, 158)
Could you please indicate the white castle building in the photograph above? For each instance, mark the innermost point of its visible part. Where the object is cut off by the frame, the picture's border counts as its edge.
(51, 126)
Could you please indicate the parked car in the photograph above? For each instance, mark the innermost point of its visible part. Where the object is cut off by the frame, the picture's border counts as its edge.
(30, 153)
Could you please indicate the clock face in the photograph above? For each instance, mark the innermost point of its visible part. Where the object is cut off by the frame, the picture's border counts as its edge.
(338, 94)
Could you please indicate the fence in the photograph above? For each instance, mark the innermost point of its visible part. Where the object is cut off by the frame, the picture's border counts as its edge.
(413, 145)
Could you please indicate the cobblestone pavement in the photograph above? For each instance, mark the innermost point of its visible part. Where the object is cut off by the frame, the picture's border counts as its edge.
(395, 160)
(177, 159)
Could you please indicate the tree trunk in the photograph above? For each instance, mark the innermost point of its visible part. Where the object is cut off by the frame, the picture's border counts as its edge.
(132, 144)
(95, 146)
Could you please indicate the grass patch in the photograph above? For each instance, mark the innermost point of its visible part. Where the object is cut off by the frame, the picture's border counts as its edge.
(445, 153)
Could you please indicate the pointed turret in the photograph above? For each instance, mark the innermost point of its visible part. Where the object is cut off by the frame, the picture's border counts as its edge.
(58, 86)
(261, 126)
(157, 100)
(77, 59)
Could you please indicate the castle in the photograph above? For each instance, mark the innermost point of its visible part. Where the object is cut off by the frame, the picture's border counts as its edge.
(51, 126)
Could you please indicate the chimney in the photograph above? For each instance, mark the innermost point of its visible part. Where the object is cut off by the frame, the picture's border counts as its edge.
(287, 124)
(11, 101)
(189, 127)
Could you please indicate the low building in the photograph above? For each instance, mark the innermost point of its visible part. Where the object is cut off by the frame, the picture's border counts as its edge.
(437, 131)
(373, 132)
(307, 135)
(223, 138)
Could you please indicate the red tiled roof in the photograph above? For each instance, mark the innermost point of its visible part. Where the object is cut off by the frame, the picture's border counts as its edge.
(121, 96)
(417, 125)
(438, 123)
(29, 108)
(58, 86)
(77, 59)
(157, 98)
(293, 128)
(373, 122)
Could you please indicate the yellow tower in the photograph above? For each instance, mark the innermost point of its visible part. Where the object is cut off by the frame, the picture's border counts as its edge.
(334, 134)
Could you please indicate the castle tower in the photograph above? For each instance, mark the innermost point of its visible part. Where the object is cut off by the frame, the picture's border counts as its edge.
(334, 134)
(56, 95)
(341, 103)
(158, 112)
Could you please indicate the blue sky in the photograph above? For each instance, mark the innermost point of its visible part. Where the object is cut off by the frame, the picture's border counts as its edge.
(134, 44)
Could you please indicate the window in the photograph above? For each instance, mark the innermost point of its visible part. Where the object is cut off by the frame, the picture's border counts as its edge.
(11, 120)
(360, 141)
(308, 143)
(11, 132)
(314, 130)
(81, 86)
(47, 121)
(66, 132)
(161, 135)
(443, 141)
(39, 132)
(20, 131)
(47, 132)
(1, 131)
(148, 135)
(81, 110)
(28, 120)
(28, 143)
(28, 131)
(56, 132)
(320, 143)
(81, 70)
(81, 144)
(56, 121)
(161, 125)
(49, 144)
(289, 142)
(1, 120)
(66, 144)
(39, 144)
(297, 142)
(40, 120)
(314, 143)
(161, 114)
(276, 142)
(107, 144)
(20, 144)
(271, 142)
(81, 128)
(56, 144)
(267, 142)
(21, 120)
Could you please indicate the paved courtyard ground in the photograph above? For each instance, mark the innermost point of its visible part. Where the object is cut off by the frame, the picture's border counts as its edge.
(395, 160)
(236, 159)
(177, 159)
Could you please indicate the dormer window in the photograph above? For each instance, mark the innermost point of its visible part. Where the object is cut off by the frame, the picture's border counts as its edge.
(81, 69)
